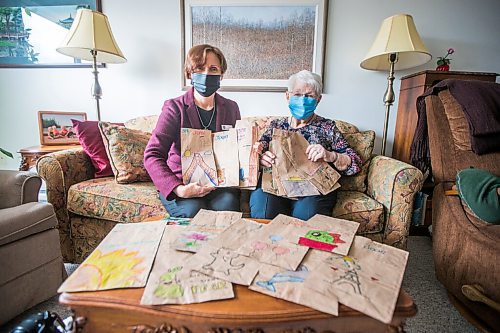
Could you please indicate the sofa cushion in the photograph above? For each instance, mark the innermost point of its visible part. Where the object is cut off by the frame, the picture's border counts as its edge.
(362, 143)
(106, 199)
(357, 206)
(91, 141)
(125, 148)
(144, 123)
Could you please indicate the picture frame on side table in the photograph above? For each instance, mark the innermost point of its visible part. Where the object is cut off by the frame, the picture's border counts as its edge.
(56, 128)
(290, 37)
(30, 32)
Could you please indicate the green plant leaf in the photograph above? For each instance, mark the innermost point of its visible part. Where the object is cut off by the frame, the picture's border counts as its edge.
(5, 152)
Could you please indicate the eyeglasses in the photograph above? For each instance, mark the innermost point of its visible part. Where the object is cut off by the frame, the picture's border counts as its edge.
(311, 95)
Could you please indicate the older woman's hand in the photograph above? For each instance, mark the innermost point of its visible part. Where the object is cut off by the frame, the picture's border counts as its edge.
(317, 152)
(267, 158)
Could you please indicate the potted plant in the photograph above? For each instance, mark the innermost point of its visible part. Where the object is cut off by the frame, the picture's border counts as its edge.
(443, 62)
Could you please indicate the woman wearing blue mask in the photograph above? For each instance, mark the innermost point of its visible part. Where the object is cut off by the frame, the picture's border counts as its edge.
(200, 108)
(326, 143)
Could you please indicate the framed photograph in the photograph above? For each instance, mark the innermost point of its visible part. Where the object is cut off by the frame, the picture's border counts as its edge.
(264, 41)
(56, 127)
(31, 30)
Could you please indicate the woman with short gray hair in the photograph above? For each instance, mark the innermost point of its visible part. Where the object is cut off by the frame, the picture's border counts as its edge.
(326, 143)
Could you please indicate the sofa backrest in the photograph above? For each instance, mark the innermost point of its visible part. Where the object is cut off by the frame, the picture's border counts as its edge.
(361, 142)
(449, 140)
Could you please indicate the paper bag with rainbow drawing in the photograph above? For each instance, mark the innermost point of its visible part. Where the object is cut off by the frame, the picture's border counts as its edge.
(197, 157)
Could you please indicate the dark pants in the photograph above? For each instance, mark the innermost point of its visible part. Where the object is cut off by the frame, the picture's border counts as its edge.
(219, 199)
(267, 206)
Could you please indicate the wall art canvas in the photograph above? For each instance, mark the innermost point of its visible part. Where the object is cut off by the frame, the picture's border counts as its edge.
(30, 32)
(264, 41)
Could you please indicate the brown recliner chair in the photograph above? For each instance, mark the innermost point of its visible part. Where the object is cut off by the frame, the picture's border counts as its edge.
(31, 265)
(466, 249)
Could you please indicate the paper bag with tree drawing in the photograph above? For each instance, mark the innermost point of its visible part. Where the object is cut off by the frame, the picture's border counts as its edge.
(225, 145)
(290, 181)
(197, 157)
(248, 157)
(322, 176)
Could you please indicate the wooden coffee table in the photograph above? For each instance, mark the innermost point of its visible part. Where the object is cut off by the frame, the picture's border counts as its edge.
(119, 311)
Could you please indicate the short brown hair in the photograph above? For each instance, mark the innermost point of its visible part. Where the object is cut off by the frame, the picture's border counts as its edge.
(197, 56)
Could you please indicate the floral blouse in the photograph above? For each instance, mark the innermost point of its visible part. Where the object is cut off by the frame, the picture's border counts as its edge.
(319, 131)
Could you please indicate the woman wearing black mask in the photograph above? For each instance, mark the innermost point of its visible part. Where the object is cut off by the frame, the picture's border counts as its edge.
(200, 108)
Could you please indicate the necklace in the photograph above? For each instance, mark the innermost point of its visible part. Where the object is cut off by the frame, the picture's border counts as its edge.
(201, 121)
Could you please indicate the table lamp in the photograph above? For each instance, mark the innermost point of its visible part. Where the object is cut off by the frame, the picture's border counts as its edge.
(397, 46)
(90, 38)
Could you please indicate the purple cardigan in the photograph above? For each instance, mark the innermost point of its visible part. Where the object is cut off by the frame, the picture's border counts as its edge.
(162, 157)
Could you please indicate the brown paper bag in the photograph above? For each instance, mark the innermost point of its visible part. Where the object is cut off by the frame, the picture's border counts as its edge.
(197, 157)
(225, 145)
(248, 157)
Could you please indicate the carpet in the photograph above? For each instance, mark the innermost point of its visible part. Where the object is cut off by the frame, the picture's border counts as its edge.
(435, 312)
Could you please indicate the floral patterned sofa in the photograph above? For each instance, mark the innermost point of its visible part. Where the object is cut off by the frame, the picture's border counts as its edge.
(380, 198)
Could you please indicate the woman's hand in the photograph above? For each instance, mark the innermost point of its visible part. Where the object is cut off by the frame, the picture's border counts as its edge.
(193, 190)
(266, 159)
(317, 152)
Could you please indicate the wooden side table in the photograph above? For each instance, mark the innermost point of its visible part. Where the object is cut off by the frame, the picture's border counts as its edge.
(30, 155)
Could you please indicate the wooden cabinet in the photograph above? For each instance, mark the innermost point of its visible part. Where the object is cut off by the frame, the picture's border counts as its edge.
(413, 86)
(30, 155)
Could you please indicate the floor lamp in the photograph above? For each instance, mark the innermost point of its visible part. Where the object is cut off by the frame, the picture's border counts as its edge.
(397, 46)
(90, 38)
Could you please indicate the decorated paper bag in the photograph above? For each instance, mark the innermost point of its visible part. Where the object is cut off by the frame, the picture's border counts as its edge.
(204, 226)
(291, 285)
(166, 285)
(328, 234)
(321, 175)
(248, 158)
(197, 157)
(293, 182)
(218, 257)
(367, 280)
(122, 260)
(225, 145)
(274, 244)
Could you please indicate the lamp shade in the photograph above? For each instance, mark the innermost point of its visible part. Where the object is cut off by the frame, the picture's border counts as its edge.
(91, 32)
(399, 35)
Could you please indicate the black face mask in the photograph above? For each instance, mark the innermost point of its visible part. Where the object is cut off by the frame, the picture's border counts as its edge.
(205, 84)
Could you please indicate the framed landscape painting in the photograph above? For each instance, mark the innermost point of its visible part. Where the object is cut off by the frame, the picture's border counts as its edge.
(264, 42)
(31, 30)
(56, 127)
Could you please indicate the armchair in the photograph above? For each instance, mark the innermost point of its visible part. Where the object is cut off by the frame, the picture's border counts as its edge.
(30, 256)
(465, 248)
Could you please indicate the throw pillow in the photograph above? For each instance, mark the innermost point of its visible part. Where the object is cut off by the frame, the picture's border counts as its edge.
(125, 148)
(362, 143)
(143, 123)
(478, 189)
(91, 142)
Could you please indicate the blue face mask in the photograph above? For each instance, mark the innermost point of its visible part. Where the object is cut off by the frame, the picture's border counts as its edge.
(205, 84)
(302, 107)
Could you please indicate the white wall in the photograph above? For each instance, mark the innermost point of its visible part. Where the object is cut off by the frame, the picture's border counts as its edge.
(149, 34)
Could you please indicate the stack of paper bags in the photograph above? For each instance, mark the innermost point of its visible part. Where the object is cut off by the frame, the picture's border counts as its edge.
(293, 174)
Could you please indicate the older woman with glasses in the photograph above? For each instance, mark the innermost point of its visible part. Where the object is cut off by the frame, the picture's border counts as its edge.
(200, 108)
(326, 143)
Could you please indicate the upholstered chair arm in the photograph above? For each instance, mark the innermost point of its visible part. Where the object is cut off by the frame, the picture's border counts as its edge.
(394, 184)
(61, 170)
(18, 187)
